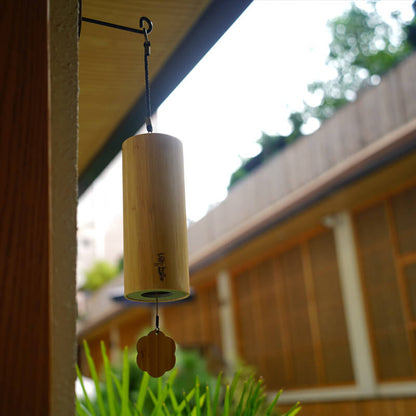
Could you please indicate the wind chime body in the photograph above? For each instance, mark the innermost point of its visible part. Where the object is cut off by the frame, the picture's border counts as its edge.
(155, 232)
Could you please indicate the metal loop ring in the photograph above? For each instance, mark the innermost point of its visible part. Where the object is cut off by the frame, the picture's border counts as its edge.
(149, 24)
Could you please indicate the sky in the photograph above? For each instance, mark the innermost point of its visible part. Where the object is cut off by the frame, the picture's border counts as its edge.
(249, 82)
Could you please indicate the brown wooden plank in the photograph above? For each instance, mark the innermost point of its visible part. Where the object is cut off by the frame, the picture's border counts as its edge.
(211, 317)
(266, 331)
(24, 209)
(297, 312)
(313, 313)
(330, 309)
(283, 323)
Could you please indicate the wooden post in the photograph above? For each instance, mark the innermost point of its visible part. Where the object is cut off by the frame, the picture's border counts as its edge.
(25, 262)
(227, 321)
(355, 316)
(38, 142)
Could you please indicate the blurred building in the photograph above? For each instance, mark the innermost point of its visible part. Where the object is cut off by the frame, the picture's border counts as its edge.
(307, 271)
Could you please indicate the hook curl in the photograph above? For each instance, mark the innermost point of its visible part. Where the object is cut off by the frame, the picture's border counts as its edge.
(149, 25)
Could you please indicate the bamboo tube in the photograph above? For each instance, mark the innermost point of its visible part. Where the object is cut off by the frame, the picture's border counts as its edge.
(155, 232)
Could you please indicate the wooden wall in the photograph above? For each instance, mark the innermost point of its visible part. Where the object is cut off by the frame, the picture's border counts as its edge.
(289, 316)
(386, 236)
(196, 322)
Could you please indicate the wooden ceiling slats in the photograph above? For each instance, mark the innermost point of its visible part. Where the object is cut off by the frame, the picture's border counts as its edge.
(111, 61)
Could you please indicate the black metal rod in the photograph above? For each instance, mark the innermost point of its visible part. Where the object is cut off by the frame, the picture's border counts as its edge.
(125, 28)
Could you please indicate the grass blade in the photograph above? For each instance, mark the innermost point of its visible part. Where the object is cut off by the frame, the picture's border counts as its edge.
(80, 409)
(87, 399)
(125, 385)
(152, 396)
(234, 384)
(109, 381)
(258, 403)
(200, 404)
(172, 377)
(273, 404)
(159, 387)
(95, 379)
(186, 399)
(197, 404)
(253, 401)
(294, 410)
(209, 410)
(163, 392)
(142, 391)
(216, 394)
(166, 410)
(188, 408)
(174, 402)
(241, 402)
(251, 383)
(117, 384)
(226, 411)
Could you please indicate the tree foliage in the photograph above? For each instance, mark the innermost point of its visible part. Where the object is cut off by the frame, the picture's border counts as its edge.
(363, 48)
(99, 274)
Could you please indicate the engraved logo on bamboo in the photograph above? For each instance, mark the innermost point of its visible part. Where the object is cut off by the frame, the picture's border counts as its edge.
(161, 265)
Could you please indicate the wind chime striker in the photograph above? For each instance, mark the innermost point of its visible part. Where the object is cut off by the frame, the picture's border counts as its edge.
(155, 232)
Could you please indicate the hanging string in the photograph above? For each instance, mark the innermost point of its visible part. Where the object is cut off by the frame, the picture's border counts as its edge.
(157, 314)
(146, 44)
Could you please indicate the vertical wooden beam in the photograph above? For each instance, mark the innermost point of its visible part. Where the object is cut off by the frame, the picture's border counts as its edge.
(355, 316)
(25, 261)
(313, 313)
(63, 50)
(226, 315)
(283, 322)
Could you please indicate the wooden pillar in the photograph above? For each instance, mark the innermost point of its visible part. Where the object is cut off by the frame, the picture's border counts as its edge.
(25, 261)
(63, 58)
(355, 316)
(29, 274)
(229, 347)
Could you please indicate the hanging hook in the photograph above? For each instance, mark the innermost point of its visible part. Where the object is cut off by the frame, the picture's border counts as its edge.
(149, 26)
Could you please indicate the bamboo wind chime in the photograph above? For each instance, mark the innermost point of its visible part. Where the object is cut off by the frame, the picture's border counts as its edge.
(155, 232)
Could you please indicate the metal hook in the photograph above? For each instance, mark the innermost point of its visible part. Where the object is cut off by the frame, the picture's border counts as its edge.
(149, 24)
(142, 29)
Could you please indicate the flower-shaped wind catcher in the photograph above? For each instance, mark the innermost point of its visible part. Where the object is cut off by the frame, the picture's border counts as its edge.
(156, 353)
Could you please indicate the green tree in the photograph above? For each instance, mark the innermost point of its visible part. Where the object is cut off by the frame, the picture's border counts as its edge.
(363, 48)
(99, 274)
(270, 145)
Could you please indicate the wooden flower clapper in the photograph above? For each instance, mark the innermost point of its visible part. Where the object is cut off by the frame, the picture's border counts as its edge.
(156, 353)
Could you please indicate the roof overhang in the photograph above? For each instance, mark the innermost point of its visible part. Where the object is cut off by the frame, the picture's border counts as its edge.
(112, 101)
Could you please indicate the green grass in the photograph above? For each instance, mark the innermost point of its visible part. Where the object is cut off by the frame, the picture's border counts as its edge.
(112, 395)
